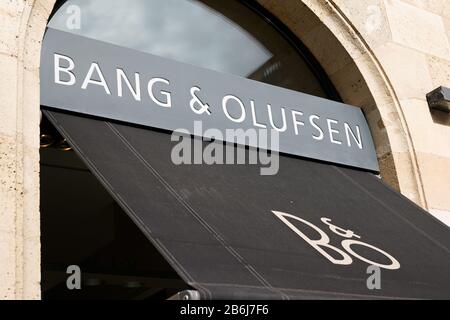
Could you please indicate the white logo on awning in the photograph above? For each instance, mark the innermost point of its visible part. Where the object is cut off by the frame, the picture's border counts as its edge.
(347, 244)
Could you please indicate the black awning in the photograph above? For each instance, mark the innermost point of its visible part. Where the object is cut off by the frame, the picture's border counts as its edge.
(231, 233)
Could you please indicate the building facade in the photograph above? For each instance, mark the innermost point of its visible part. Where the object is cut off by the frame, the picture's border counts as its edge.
(381, 55)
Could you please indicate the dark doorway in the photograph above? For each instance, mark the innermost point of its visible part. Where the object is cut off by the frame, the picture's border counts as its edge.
(83, 226)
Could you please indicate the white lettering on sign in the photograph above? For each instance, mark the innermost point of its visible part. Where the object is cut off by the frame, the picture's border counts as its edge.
(323, 243)
(136, 91)
(89, 78)
(333, 131)
(316, 126)
(226, 104)
(166, 94)
(283, 128)
(296, 121)
(234, 108)
(349, 132)
(66, 70)
(256, 124)
(64, 67)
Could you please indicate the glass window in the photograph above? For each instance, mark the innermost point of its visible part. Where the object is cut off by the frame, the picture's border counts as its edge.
(226, 36)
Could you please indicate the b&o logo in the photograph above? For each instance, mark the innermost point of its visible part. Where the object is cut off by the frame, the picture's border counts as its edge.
(351, 240)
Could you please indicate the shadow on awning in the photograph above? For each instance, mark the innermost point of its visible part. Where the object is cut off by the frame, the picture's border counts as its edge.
(309, 232)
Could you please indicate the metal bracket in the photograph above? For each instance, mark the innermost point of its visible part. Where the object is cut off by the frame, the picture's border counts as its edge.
(439, 99)
(186, 295)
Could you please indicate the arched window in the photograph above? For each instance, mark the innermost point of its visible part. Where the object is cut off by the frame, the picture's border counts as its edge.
(236, 37)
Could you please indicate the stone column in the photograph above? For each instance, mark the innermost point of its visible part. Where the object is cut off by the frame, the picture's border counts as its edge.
(22, 25)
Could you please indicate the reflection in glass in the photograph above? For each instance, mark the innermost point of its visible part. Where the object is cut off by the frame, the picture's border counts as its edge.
(224, 36)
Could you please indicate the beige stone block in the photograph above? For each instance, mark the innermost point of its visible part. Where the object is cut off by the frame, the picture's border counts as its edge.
(8, 185)
(446, 21)
(435, 6)
(435, 174)
(408, 183)
(327, 49)
(446, 9)
(439, 7)
(32, 273)
(370, 19)
(388, 170)
(36, 27)
(427, 136)
(10, 14)
(30, 100)
(379, 134)
(417, 28)
(407, 70)
(7, 262)
(352, 87)
(439, 71)
(314, 34)
(294, 14)
(8, 93)
(45, 7)
(383, 114)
